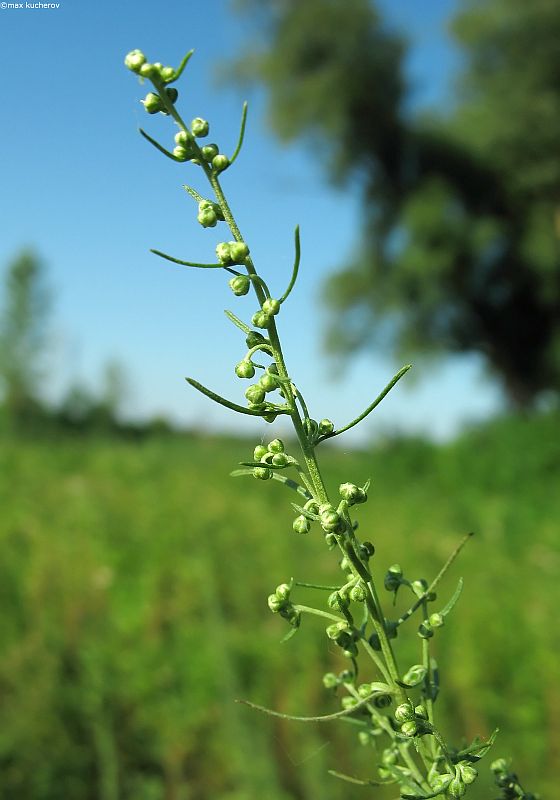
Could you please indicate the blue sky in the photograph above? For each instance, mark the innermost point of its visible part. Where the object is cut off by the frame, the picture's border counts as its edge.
(81, 187)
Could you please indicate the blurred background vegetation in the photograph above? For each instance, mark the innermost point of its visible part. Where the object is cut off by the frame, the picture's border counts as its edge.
(134, 571)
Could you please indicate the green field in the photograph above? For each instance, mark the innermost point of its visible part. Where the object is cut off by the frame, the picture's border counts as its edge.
(133, 583)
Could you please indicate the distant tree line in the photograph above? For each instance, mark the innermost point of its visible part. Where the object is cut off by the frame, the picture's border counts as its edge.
(24, 317)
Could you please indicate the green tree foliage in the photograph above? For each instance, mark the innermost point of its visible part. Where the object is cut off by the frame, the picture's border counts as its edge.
(459, 247)
(23, 320)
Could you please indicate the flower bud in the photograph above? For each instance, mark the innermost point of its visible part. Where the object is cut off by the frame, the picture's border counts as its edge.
(259, 452)
(330, 540)
(439, 783)
(254, 394)
(254, 338)
(200, 127)
(404, 712)
(239, 252)
(389, 757)
(274, 603)
(437, 620)
(276, 446)
(348, 702)
(358, 593)
(280, 460)
(420, 711)
(312, 506)
(158, 66)
(173, 94)
(364, 738)
(331, 522)
(134, 60)
(268, 382)
(244, 369)
(224, 254)
(180, 153)
(220, 162)
(311, 427)
(326, 426)
(468, 773)
(337, 601)
(283, 591)
(262, 473)
(367, 550)
(499, 765)
(393, 578)
(167, 73)
(271, 306)
(240, 285)
(260, 320)
(415, 675)
(152, 103)
(409, 728)
(349, 492)
(301, 524)
(364, 690)
(384, 773)
(207, 217)
(336, 629)
(419, 587)
(456, 788)
(209, 151)
(330, 681)
(425, 630)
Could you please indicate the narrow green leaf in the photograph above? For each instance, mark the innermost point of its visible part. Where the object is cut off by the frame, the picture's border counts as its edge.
(295, 268)
(357, 781)
(325, 718)
(182, 65)
(291, 484)
(186, 263)
(193, 193)
(237, 322)
(159, 147)
(241, 133)
(222, 400)
(370, 408)
(456, 594)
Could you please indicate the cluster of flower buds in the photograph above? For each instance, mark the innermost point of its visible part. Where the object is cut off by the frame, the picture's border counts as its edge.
(263, 317)
(509, 782)
(345, 637)
(271, 456)
(411, 719)
(426, 628)
(137, 62)
(314, 430)
(279, 603)
(454, 784)
(331, 520)
(232, 253)
(256, 392)
(209, 214)
(352, 494)
(154, 104)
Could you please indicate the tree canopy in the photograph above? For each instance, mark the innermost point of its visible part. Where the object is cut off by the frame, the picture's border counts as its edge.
(459, 240)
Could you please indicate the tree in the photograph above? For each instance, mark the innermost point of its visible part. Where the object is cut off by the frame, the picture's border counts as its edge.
(461, 214)
(22, 338)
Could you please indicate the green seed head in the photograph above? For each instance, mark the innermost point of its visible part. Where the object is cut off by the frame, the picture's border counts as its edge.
(152, 103)
(220, 162)
(271, 306)
(238, 251)
(199, 127)
(326, 426)
(134, 60)
(301, 524)
(244, 369)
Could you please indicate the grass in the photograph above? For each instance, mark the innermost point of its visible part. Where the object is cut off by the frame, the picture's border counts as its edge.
(133, 586)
